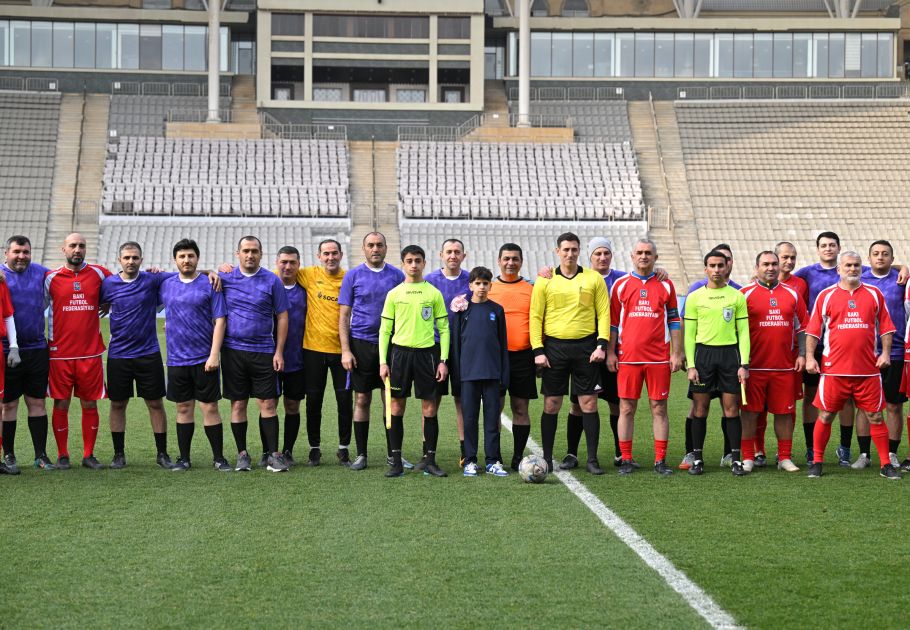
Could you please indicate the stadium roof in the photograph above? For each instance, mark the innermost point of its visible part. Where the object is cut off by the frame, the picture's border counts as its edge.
(785, 5)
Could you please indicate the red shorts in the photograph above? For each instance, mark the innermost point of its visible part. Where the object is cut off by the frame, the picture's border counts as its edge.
(630, 377)
(834, 391)
(798, 385)
(2, 375)
(770, 390)
(905, 379)
(83, 378)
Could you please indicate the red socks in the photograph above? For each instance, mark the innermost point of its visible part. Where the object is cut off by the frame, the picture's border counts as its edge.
(760, 425)
(785, 449)
(660, 450)
(61, 424)
(747, 446)
(820, 436)
(625, 448)
(879, 433)
(89, 430)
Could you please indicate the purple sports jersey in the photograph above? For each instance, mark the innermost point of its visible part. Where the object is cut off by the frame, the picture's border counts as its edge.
(450, 288)
(894, 300)
(134, 303)
(364, 289)
(252, 303)
(818, 279)
(27, 291)
(612, 276)
(190, 309)
(293, 346)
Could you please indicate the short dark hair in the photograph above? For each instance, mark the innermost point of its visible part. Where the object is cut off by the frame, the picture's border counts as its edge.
(249, 237)
(289, 250)
(724, 247)
(413, 249)
(511, 247)
(832, 235)
(453, 240)
(17, 239)
(767, 251)
(567, 236)
(480, 273)
(129, 245)
(186, 243)
(327, 240)
(368, 235)
(714, 253)
(882, 241)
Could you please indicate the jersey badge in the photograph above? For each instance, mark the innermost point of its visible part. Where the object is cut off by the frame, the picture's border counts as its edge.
(492, 317)
(774, 302)
(728, 313)
(77, 286)
(643, 294)
(426, 312)
(851, 304)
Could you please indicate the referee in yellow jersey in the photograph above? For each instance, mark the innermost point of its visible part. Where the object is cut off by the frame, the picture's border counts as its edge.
(570, 327)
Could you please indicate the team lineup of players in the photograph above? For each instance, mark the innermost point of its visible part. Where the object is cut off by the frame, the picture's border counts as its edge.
(831, 333)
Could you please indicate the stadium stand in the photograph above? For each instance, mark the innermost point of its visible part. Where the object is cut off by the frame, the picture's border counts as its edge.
(593, 121)
(28, 146)
(275, 178)
(135, 115)
(217, 238)
(762, 172)
(474, 180)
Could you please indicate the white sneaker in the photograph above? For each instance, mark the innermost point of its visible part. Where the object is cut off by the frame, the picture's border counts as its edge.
(861, 462)
(470, 469)
(748, 465)
(726, 461)
(497, 470)
(895, 462)
(787, 465)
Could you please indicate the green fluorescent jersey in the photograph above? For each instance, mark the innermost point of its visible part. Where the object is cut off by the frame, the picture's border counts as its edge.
(716, 317)
(411, 310)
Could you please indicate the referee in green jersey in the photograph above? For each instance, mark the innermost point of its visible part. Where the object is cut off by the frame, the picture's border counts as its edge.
(411, 310)
(717, 353)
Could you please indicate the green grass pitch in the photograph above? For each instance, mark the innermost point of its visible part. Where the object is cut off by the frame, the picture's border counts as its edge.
(328, 547)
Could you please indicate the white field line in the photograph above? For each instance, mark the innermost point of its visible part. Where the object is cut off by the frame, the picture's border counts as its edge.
(694, 596)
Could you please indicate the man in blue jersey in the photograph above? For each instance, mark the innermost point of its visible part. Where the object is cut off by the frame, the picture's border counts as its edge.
(193, 333)
(27, 367)
(360, 302)
(133, 355)
(257, 326)
(452, 282)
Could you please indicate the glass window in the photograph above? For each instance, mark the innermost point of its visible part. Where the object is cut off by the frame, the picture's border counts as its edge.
(704, 43)
(663, 55)
(454, 27)
(603, 54)
(644, 54)
(683, 55)
(820, 53)
(870, 55)
(224, 45)
(128, 46)
(625, 54)
(63, 44)
(513, 54)
(742, 55)
(194, 48)
(329, 94)
(852, 55)
(802, 54)
(106, 46)
(723, 57)
(575, 8)
(172, 47)
(84, 44)
(562, 54)
(763, 56)
(540, 54)
(403, 95)
(21, 44)
(885, 51)
(42, 44)
(539, 8)
(583, 55)
(292, 23)
(4, 43)
(836, 55)
(150, 46)
(783, 55)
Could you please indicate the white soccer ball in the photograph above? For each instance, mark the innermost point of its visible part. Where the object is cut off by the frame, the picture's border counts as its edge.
(532, 469)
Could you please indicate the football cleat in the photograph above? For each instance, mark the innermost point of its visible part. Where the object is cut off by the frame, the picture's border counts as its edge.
(288, 457)
(181, 465)
(697, 467)
(315, 457)
(395, 470)
(5, 470)
(406, 464)
(894, 461)
(815, 470)
(43, 462)
(890, 472)
(594, 468)
(222, 465)
(63, 462)
(244, 463)
(360, 462)
(432, 469)
(625, 468)
(276, 463)
(905, 465)
(843, 456)
(726, 461)
(92, 462)
(686, 462)
(11, 464)
(344, 458)
(419, 466)
(662, 469)
(861, 462)
(118, 462)
(760, 460)
(737, 468)
(164, 460)
(787, 465)
(568, 462)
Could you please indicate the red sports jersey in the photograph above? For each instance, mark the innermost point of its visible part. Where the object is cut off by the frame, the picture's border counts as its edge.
(851, 322)
(642, 311)
(6, 307)
(73, 329)
(775, 316)
(800, 286)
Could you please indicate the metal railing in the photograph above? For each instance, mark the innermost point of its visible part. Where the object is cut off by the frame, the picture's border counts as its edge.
(197, 115)
(428, 133)
(795, 91)
(274, 128)
(160, 88)
(30, 84)
(576, 93)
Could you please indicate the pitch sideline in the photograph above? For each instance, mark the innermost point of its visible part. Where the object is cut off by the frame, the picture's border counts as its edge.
(694, 596)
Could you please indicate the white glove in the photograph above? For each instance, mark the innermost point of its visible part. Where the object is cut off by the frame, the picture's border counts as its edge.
(13, 359)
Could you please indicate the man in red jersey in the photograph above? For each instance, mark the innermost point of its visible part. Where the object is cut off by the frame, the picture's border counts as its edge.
(777, 316)
(645, 347)
(850, 316)
(7, 330)
(75, 346)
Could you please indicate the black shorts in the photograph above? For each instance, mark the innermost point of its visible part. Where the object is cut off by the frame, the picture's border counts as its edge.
(293, 384)
(717, 367)
(365, 376)
(29, 377)
(415, 366)
(570, 358)
(522, 375)
(609, 390)
(891, 382)
(186, 383)
(811, 380)
(147, 372)
(248, 375)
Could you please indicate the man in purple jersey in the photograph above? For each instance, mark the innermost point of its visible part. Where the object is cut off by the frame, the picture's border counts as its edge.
(28, 377)
(257, 327)
(452, 282)
(360, 302)
(193, 332)
(133, 355)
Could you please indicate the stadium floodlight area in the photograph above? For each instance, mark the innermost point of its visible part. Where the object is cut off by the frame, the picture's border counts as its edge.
(761, 172)
(537, 239)
(476, 180)
(217, 238)
(192, 177)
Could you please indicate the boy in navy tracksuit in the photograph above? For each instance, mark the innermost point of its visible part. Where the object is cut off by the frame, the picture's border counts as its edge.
(480, 358)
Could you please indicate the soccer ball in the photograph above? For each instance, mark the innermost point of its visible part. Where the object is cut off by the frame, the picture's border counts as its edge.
(532, 469)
